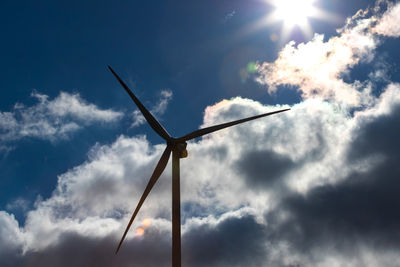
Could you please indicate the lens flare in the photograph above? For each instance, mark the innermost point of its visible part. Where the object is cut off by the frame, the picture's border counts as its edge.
(139, 231)
(146, 222)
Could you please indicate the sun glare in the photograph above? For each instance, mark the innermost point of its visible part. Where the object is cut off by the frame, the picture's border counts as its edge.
(294, 12)
(291, 14)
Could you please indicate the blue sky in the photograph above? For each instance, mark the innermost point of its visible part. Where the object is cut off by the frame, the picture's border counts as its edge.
(75, 154)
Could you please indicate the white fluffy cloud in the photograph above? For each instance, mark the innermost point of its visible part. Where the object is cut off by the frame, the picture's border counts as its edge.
(51, 119)
(10, 234)
(389, 24)
(317, 68)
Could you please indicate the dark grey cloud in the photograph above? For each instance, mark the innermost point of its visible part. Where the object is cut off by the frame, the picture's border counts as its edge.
(343, 214)
(233, 242)
(380, 136)
(11, 257)
(219, 153)
(360, 211)
(263, 168)
(82, 251)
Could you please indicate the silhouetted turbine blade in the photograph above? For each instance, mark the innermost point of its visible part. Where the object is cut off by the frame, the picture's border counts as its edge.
(214, 128)
(162, 163)
(157, 127)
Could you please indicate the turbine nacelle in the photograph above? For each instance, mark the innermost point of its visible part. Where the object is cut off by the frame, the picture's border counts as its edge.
(180, 149)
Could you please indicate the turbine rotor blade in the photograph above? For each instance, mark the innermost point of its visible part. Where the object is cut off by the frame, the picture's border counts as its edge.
(157, 127)
(218, 127)
(162, 163)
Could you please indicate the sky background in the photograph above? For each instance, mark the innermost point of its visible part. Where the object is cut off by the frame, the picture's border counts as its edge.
(316, 186)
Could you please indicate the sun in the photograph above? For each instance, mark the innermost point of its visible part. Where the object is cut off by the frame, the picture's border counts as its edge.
(294, 12)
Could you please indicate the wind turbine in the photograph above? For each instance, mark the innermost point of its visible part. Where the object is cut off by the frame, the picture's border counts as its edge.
(178, 148)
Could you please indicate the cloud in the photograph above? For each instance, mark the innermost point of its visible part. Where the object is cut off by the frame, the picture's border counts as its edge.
(323, 186)
(213, 245)
(157, 110)
(389, 24)
(317, 68)
(18, 204)
(229, 16)
(51, 119)
(11, 239)
(353, 222)
(166, 96)
(263, 168)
